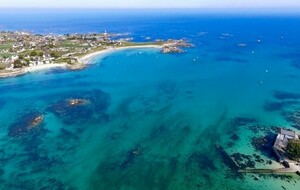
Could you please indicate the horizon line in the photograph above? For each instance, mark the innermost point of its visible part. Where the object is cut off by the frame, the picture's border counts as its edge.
(165, 8)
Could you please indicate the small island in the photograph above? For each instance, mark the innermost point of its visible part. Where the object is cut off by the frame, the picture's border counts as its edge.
(23, 52)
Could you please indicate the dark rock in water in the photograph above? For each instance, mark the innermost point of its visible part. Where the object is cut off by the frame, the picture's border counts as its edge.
(293, 117)
(234, 137)
(296, 64)
(82, 107)
(69, 113)
(281, 95)
(65, 134)
(296, 126)
(230, 144)
(35, 158)
(229, 163)
(201, 161)
(278, 106)
(173, 163)
(168, 89)
(42, 184)
(159, 131)
(27, 124)
(273, 106)
(262, 128)
(241, 121)
(243, 161)
(269, 162)
(53, 184)
(264, 144)
(2, 104)
(1, 172)
(130, 157)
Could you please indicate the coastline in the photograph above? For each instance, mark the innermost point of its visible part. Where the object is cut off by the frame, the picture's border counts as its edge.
(44, 67)
(83, 61)
(23, 71)
(86, 59)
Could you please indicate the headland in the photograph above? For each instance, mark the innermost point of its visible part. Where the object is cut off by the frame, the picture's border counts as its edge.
(22, 52)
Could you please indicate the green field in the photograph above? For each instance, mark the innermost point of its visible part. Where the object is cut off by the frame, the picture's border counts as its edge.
(5, 46)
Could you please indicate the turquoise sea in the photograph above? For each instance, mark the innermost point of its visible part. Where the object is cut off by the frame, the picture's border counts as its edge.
(155, 121)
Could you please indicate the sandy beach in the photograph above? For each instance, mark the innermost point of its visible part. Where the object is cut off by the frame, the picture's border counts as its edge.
(87, 58)
(22, 71)
(44, 67)
(84, 60)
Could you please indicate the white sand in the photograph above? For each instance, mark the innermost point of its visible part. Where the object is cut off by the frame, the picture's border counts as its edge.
(44, 67)
(87, 58)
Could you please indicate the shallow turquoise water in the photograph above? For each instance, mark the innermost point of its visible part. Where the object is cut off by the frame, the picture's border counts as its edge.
(156, 121)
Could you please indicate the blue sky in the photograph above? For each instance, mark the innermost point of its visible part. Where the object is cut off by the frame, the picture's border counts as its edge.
(151, 3)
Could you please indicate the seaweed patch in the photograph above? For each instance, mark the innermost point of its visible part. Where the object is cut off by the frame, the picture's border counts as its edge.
(28, 124)
(82, 107)
(130, 157)
(264, 144)
(229, 163)
(278, 106)
(282, 95)
(200, 161)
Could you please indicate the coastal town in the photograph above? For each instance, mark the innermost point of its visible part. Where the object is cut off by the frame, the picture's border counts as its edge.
(286, 149)
(22, 52)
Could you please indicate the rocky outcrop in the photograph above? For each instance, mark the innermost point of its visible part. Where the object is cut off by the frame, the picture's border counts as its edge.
(174, 46)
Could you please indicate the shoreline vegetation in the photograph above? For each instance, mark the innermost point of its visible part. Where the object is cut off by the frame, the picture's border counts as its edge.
(22, 53)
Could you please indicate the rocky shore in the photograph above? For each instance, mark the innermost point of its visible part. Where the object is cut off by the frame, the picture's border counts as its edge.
(175, 46)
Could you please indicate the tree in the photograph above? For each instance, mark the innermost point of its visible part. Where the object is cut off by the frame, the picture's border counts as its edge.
(33, 53)
(2, 66)
(40, 54)
(293, 149)
(55, 54)
(21, 57)
(18, 64)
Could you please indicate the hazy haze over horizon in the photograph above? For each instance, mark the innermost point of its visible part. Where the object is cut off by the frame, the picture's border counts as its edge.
(214, 4)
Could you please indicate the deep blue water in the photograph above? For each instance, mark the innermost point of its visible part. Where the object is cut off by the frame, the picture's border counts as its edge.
(155, 121)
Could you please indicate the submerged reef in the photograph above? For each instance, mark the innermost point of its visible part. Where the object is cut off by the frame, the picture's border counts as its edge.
(45, 184)
(130, 156)
(282, 95)
(229, 163)
(264, 144)
(243, 161)
(2, 104)
(283, 100)
(296, 64)
(242, 121)
(293, 117)
(200, 161)
(27, 124)
(293, 57)
(271, 106)
(81, 107)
